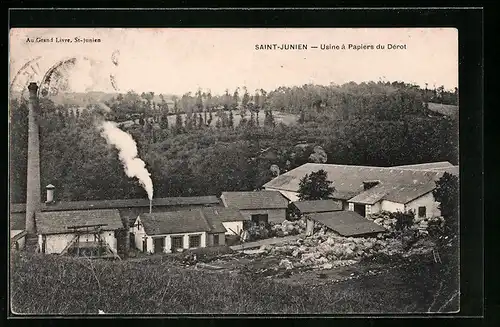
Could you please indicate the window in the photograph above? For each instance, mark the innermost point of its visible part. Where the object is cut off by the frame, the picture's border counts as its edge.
(177, 242)
(216, 239)
(194, 241)
(422, 212)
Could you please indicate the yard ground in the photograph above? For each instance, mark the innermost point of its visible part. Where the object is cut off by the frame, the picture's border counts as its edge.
(231, 282)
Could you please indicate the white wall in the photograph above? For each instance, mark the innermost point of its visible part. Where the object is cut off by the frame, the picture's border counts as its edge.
(376, 207)
(56, 243)
(139, 234)
(233, 227)
(168, 245)
(292, 196)
(426, 200)
(392, 206)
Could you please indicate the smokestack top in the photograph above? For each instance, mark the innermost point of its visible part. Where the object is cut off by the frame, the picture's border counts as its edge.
(50, 187)
(33, 87)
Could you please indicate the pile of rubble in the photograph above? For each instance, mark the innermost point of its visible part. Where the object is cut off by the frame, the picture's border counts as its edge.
(288, 228)
(384, 219)
(326, 250)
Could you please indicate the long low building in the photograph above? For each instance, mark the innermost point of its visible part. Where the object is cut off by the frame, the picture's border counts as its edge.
(368, 190)
(101, 214)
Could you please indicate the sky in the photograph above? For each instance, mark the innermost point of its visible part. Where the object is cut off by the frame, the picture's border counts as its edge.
(176, 61)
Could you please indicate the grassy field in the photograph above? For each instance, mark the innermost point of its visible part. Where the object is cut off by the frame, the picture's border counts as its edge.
(49, 284)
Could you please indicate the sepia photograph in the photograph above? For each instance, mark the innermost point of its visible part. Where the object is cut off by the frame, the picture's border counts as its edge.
(157, 171)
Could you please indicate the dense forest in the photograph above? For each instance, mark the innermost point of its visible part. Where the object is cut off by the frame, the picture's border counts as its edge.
(380, 124)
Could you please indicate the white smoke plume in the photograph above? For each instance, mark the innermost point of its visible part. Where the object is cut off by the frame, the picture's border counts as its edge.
(127, 148)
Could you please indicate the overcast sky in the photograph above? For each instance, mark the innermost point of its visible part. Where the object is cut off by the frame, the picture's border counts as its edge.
(176, 61)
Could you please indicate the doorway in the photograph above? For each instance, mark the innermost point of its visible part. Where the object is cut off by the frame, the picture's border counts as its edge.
(360, 208)
(158, 244)
(260, 219)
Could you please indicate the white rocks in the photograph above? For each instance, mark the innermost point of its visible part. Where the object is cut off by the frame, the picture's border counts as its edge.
(286, 263)
(327, 266)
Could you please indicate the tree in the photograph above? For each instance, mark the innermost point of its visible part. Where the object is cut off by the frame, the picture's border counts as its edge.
(315, 186)
(236, 99)
(447, 194)
(231, 119)
(269, 119)
(178, 123)
(164, 120)
(200, 121)
(302, 117)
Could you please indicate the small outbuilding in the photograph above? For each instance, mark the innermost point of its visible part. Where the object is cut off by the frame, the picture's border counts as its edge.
(258, 206)
(79, 232)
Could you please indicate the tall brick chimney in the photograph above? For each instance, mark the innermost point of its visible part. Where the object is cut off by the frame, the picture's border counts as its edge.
(33, 196)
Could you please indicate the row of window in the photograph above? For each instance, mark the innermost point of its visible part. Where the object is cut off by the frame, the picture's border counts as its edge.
(367, 210)
(194, 241)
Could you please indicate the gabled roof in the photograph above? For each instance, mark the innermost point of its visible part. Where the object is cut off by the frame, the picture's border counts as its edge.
(405, 194)
(213, 217)
(224, 214)
(185, 221)
(57, 222)
(317, 206)
(254, 200)
(395, 193)
(349, 179)
(347, 223)
(117, 204)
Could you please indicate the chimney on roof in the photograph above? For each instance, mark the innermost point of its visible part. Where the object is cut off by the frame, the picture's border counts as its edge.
(369, 184)
(50, 193)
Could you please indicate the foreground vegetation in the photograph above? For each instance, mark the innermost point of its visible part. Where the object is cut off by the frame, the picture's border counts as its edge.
(47, 284)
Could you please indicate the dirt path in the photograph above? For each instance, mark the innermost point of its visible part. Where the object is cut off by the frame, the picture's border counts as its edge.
(267, 241)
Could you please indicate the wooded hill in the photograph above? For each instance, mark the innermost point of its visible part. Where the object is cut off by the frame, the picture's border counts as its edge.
(375, 124)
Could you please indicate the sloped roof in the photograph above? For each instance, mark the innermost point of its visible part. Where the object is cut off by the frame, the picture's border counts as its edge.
(186, 221)
(123, 203)
(347, 223)
(374, 194)
(349, 179)
(438, 167)
(255, 200)
(17, 221)
(56, 222)
(395, 193)
(429, 165)
(213, 219)
(408, 193)
(318, 206)
(224, 214)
